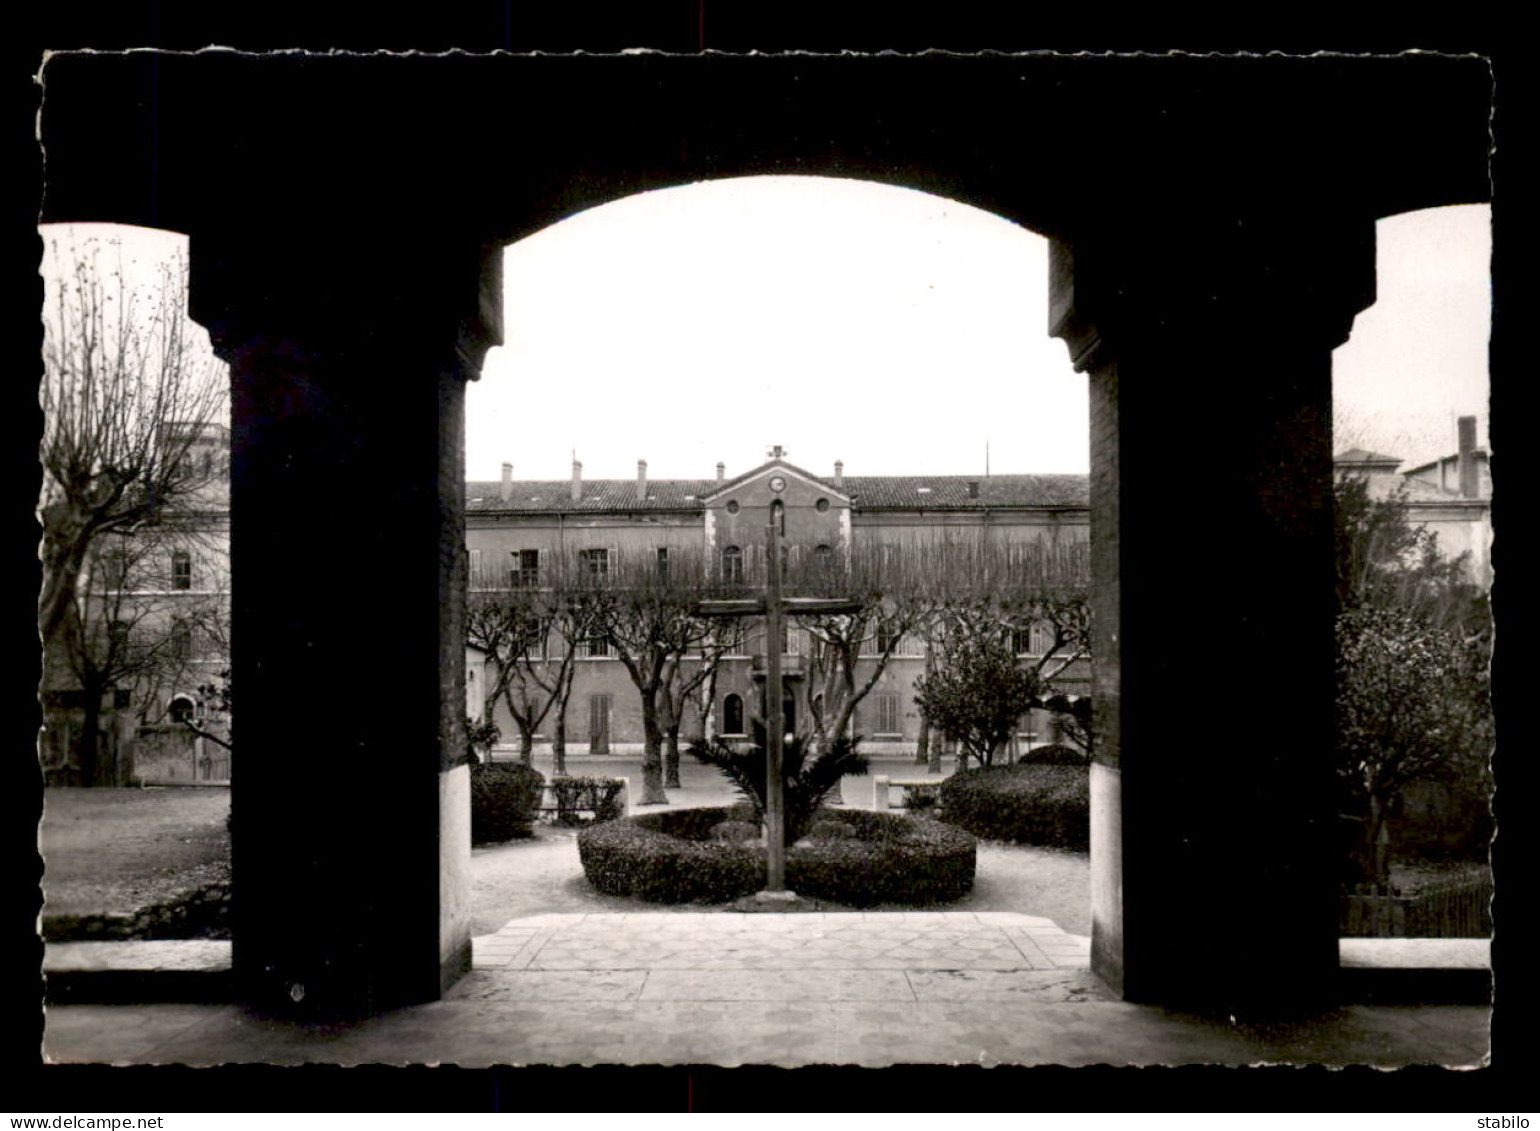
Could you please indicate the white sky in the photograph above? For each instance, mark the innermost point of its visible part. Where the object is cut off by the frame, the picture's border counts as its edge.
(896, 331)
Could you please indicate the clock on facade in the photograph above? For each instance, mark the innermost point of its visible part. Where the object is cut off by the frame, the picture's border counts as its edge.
(777, 483)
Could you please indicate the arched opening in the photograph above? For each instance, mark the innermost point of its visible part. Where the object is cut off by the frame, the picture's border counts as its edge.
(1156, 297)
(732, 714)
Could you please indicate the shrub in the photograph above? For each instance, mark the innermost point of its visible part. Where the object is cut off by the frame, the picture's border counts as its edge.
(670, 857)
(808, 779)
(505, 799)
(681, 856)
(1028, 803)
(1055, 754)
(577, 794)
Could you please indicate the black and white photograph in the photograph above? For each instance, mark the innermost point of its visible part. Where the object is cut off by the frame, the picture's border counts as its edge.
(767, 560)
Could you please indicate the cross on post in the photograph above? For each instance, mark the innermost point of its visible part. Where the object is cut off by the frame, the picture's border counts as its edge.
(774, 606)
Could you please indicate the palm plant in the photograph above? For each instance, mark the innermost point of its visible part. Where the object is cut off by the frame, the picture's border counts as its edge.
(808, 780)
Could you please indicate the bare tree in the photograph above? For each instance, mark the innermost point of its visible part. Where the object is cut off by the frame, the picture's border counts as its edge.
(515, 627)
(686, 677)
(129, 387)
(650, 618)
(1028, 601)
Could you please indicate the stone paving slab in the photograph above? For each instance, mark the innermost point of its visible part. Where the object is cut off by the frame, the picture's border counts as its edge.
(717, 988)
(869, 1033)
(726, 941)
(203, 955)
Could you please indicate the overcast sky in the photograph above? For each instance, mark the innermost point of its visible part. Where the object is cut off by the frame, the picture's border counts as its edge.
(893, 330)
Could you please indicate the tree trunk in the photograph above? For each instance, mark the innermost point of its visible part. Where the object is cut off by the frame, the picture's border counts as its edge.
(937, 744)
(559, 741)
(1377, 841)
(93, 768)
(708, 714)
(671, 756)
(652, 756)
(922, 746)
(526, 745)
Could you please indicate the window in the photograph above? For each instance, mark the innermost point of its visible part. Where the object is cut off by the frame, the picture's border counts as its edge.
(599, 724)
(732, 565)
(207, 463)
(823, 555)
(181, 569)
(597, 647)
(115, 569)
(182, 709)
(887, 713)
(181, 640)
(888, 637)
(821, 505)
(122, 698)
(1031, 640)
(662, 565)
(525, 573)
(732, 506)
(595, 562)
(473, 565)
(732, 715)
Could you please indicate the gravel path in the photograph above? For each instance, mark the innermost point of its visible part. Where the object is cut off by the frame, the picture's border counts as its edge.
(544, 875)
(122, 849)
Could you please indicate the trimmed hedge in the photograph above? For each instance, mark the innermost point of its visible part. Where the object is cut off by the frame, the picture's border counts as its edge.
(1027, 803)
(679, 856)
(505, 800)
(574, 795)
(1055, 754)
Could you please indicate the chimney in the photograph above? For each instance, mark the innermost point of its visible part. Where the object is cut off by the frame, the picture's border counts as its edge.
(1469, 485)
(507, 489)
(641, 481)
(577, 481)
(839, 474)
(721, 471)
(973, 488)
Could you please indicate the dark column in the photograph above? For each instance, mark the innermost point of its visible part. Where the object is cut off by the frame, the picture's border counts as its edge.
(1208, 348)
(350, 835)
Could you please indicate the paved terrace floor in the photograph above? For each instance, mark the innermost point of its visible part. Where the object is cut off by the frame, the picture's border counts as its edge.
(870, 989)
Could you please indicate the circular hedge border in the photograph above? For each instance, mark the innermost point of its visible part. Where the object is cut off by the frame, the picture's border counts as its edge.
(1029, 803)
(670, 857)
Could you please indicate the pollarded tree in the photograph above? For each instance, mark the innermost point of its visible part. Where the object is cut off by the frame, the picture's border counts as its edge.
(130, 387)
(849, 652)
(512, 628)
(690, 679)
(648, 614)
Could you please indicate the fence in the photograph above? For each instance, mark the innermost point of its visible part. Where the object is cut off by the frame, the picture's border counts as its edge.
(1453, 909)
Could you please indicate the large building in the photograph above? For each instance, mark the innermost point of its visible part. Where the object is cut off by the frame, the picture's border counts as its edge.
(1451, 496)
(153, 646)
(516, 529)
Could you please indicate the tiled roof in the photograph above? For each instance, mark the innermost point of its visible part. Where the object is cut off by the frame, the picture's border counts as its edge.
(868, 492)
(1359, 455)
(1412, 490)
(552, 495)
(950, 492)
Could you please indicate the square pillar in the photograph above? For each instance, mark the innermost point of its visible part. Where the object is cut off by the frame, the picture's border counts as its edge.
(1208, 350)
(350, 794)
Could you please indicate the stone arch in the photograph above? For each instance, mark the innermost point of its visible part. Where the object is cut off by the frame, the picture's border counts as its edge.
(1202, 303)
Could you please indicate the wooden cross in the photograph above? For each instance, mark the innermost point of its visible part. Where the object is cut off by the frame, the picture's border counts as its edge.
(773, 606)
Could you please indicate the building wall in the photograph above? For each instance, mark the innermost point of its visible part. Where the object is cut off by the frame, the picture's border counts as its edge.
(736, 513)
